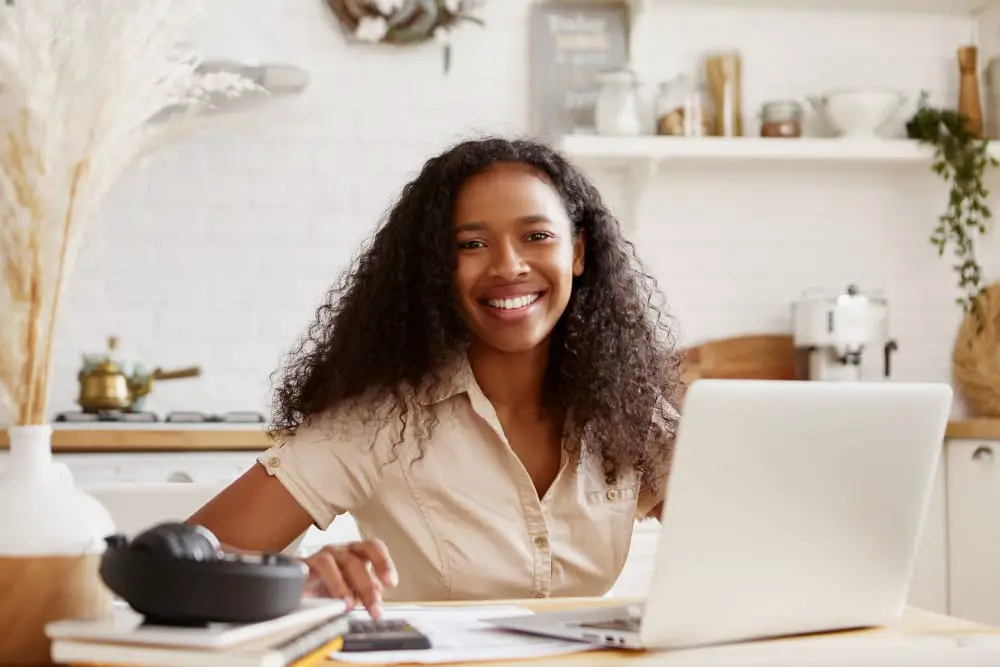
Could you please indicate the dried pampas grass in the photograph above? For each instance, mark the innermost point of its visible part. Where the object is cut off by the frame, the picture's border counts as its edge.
(84, 85)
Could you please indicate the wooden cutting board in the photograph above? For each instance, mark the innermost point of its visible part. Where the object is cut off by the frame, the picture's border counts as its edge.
(753, 356)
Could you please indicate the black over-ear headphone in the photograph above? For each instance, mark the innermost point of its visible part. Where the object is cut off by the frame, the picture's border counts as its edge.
(178, 574)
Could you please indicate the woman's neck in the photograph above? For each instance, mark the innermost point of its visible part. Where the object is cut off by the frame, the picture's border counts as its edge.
(511, 381)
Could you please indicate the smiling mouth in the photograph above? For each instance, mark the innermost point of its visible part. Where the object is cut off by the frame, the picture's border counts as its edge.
(514, 303)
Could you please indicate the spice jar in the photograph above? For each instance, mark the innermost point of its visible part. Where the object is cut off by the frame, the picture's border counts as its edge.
(681, 109)
(781, 119)
(616, 112)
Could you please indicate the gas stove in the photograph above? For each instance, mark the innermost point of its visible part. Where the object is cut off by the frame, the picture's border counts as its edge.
(114, 417)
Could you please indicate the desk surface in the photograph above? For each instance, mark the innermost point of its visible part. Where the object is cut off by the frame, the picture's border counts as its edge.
(915, 623)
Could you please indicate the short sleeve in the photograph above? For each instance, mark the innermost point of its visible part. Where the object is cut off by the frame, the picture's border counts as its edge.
(664, 426)
(332, 464)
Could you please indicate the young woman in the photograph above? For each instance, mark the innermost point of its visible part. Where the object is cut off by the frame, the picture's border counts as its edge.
(487, 392)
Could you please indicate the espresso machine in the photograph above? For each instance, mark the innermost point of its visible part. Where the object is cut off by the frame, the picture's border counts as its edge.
(833, 333)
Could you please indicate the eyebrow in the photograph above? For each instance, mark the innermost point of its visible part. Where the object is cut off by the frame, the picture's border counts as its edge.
(479, 226)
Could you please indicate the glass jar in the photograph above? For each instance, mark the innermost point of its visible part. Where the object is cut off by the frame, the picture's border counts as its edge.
(781, 119)
(681, 109)
(617, 110)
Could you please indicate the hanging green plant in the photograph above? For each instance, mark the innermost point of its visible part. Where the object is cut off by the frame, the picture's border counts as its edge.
(961, 158)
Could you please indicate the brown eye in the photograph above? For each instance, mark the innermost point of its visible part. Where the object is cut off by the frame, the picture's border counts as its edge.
(470, 245)
(539, 236)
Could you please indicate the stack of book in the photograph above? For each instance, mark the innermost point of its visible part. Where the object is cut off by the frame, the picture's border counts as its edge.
(304, 637)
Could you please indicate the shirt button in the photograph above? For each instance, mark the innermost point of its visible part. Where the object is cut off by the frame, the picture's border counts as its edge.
(541, 541)
(611, 495)
(273, 462)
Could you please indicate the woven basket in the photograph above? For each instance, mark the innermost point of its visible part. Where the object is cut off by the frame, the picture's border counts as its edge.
(976, 358)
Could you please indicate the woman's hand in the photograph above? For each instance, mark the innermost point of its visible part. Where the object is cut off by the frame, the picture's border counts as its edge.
(356, 571)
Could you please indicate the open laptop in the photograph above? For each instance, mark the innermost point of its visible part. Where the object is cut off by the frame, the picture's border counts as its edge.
(792, 508)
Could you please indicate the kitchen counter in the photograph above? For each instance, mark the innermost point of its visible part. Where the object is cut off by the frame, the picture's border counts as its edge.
(974, 429)
(159, 437)
(167, 437)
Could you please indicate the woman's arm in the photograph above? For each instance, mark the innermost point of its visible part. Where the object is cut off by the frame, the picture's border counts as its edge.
(254, 513)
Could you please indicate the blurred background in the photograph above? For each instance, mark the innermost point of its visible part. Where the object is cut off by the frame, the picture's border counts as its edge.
(217, 251)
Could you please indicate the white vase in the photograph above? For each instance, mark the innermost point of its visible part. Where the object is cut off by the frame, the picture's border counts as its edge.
(42, 511)
(51, 542)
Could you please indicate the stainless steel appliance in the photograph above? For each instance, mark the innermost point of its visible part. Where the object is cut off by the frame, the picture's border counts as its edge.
(834, 332)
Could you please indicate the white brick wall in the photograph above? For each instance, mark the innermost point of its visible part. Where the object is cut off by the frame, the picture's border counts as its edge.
(216, 253)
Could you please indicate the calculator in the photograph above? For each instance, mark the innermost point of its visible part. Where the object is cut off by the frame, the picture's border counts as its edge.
(383, 635)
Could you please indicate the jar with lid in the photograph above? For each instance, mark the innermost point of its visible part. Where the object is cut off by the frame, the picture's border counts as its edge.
(781, 119)
(616, 112)
(681, 108)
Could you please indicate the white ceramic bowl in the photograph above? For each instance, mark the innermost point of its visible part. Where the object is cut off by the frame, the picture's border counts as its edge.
(859, 112)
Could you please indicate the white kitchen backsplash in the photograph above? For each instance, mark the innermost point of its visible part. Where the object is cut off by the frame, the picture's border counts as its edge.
(217, 253)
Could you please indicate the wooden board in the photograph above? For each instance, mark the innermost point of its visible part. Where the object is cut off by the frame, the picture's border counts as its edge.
(151, 440)
(753, 356)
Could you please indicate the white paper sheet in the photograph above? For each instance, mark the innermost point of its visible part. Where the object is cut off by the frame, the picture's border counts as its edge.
(458, 634)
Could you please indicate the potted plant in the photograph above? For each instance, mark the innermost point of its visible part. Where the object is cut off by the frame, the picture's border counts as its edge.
(87, 87)
(961, 158)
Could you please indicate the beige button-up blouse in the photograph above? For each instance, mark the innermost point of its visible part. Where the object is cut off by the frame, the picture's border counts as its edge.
(464, 520)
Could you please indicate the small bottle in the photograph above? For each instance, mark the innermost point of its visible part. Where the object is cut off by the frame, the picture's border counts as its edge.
(781, 119)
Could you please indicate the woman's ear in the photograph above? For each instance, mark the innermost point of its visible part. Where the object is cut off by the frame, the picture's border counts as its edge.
(578, 247)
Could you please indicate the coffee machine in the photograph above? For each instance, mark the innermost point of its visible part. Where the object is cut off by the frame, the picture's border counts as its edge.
(834, 331)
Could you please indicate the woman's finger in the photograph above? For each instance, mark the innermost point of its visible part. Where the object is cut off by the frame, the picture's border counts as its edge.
(323, 565)
(355, 572)
(375, 552)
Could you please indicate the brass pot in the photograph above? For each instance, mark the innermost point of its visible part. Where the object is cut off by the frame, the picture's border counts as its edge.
(106, 386)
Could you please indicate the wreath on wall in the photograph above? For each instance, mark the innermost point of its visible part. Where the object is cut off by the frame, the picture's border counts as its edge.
(405, 22)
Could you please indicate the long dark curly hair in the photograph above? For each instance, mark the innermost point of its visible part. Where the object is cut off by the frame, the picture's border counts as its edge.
(392, 322)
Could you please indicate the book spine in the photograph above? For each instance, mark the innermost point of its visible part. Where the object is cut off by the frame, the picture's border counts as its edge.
(309, 641)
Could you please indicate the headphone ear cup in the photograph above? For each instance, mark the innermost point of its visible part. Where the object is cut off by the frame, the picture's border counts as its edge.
(175, 574)
(179, 540)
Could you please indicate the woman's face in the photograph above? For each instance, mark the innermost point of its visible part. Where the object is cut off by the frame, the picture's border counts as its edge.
(516, 257)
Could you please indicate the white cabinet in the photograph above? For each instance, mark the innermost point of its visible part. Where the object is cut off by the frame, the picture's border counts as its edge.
(974, 529)
(634, 579)
(141, 489)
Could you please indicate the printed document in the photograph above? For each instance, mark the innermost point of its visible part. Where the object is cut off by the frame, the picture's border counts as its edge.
(458, 634)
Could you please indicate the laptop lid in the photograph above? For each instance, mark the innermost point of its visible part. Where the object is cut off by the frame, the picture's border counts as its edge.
(793, 507)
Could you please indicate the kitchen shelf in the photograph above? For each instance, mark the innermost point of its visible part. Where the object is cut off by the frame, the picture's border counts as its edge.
(649, 153)
(641, 158)
(952, 7)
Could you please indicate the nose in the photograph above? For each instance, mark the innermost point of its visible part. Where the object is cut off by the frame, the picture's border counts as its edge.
(506, 263)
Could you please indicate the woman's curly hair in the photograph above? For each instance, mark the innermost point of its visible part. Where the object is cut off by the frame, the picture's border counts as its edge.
(393, 322)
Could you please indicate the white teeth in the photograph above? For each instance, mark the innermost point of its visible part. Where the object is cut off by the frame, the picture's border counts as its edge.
(511, 304)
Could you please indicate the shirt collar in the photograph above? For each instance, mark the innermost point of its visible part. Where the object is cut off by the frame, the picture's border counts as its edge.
(455, 378)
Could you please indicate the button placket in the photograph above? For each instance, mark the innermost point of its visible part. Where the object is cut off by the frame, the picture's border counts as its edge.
(542, 586)
(531, 505)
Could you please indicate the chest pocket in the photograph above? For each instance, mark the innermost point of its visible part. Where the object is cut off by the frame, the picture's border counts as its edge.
(611, 512)
(614, 496)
